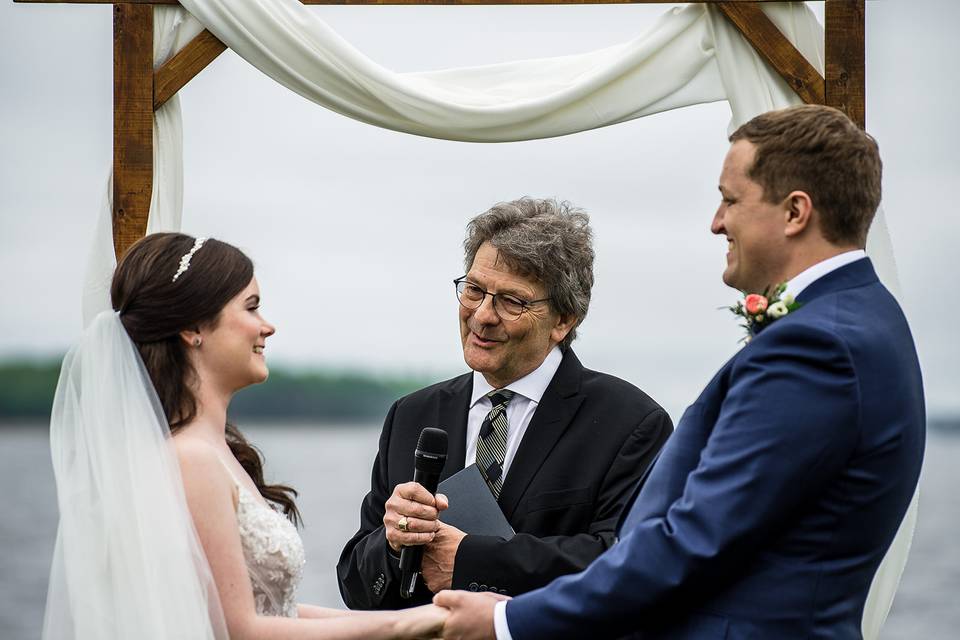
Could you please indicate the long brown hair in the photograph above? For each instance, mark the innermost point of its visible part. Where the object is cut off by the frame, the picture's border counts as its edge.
(154, 309)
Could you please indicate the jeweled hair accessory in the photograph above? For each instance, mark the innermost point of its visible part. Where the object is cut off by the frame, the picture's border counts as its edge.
(185, 260)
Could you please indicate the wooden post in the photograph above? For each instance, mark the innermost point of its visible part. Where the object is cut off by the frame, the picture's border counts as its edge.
(132, 122)
(845, 76)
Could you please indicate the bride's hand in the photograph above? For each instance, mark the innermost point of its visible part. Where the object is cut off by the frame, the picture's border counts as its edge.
(421, 623)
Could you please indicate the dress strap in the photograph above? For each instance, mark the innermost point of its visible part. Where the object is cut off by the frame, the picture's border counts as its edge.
(229, 471)
(238, 488)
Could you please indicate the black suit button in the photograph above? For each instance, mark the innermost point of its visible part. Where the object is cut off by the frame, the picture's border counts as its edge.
(503, 592)
(473, 586)
(483, 587)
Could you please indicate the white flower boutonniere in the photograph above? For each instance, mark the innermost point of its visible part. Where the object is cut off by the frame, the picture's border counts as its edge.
(758, 309)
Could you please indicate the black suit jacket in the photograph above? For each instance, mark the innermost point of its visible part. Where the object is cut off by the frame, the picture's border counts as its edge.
(586, 447)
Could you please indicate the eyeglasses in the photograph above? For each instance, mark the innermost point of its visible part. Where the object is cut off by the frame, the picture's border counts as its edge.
(508, 307)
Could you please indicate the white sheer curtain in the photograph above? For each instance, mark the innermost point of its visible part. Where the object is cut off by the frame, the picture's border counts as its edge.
(691, 55)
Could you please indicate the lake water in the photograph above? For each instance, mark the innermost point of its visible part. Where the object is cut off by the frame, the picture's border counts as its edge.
(331, 469)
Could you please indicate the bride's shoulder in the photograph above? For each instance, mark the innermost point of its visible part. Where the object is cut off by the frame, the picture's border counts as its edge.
(194, 449)
(200, 462)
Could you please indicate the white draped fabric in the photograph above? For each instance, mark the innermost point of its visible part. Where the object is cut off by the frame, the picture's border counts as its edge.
(691, 55)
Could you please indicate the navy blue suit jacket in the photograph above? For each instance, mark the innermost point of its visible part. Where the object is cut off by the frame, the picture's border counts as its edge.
(774, 501)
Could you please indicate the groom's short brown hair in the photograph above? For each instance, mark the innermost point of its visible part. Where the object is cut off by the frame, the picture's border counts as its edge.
(820, 151)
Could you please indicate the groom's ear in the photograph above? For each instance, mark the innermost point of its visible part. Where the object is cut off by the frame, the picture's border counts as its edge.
(798, 213)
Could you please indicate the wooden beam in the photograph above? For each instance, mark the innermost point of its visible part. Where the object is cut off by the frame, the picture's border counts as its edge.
(421, 2)
(132, 123)
(774, 47)
(186, 64)
(846, 58)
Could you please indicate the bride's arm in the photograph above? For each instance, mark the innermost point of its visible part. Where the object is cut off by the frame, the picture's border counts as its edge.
(209, 491)
(313, 611)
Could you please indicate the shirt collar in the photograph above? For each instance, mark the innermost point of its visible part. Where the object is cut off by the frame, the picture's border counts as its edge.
(531, 386)
(807, 277)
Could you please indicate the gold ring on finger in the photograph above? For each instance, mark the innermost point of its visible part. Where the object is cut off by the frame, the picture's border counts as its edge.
(402, 524)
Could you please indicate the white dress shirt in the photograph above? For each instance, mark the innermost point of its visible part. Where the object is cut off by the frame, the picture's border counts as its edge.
(794, 287)
(528, 391)
(805, 278)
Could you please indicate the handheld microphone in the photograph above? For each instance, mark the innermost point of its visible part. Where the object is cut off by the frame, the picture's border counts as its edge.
(428, 461)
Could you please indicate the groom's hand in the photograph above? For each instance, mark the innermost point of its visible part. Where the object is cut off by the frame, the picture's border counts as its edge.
(419, 509)
(471, 614)
(439, 556)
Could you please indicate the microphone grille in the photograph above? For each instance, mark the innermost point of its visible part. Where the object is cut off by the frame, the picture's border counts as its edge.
(433, 441)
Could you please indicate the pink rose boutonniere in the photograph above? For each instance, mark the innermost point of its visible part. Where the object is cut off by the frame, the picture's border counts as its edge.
(760, 309)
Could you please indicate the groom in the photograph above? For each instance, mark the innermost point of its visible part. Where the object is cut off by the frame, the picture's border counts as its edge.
(773, 503)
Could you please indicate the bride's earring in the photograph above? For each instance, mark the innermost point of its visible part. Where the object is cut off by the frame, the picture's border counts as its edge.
(197, 341)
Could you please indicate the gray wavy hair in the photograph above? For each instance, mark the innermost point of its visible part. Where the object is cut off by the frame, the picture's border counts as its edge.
(543, 239)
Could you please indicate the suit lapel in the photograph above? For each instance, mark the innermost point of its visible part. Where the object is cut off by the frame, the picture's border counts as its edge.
(554, 414)
(855, 274)
(453, 404)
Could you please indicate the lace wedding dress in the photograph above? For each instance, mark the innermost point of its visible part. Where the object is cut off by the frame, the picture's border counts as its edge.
(274, 554)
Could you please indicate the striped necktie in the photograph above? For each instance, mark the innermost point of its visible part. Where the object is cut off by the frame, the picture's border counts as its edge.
(492, 442)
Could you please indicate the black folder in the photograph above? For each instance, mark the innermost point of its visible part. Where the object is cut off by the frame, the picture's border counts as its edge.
(473, 509)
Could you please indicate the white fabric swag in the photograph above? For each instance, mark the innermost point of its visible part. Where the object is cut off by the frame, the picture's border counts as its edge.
(691, 55)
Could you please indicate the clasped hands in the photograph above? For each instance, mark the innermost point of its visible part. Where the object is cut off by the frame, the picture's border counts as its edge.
(470, 614)
(454, 615)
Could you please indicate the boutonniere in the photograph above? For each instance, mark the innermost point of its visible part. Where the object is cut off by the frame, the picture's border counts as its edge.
(760, 309)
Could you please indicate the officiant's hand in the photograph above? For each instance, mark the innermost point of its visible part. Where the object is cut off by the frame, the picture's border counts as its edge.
(471, 614)
(439, 556)
(419, 510)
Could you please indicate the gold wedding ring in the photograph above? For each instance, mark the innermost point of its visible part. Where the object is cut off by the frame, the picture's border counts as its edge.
(402, 524)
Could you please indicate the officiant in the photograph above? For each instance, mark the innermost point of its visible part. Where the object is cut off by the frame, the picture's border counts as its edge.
(559, 447)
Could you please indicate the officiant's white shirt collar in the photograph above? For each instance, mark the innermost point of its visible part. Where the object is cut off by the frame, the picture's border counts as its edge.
(807, 277)
(531, 386)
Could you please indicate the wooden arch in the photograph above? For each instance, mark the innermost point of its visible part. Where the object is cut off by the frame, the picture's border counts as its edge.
(139, 90)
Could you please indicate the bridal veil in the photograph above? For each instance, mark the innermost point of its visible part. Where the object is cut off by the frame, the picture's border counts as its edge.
(127, 561)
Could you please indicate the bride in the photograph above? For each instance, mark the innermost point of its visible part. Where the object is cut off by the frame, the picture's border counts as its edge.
(167, 527)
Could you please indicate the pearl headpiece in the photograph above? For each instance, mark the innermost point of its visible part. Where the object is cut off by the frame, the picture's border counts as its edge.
(185, 260)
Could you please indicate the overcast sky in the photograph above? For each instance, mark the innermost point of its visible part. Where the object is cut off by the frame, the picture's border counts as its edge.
(356, 230)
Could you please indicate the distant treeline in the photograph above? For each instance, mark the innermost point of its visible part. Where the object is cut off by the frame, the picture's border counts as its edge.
(26, 394)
